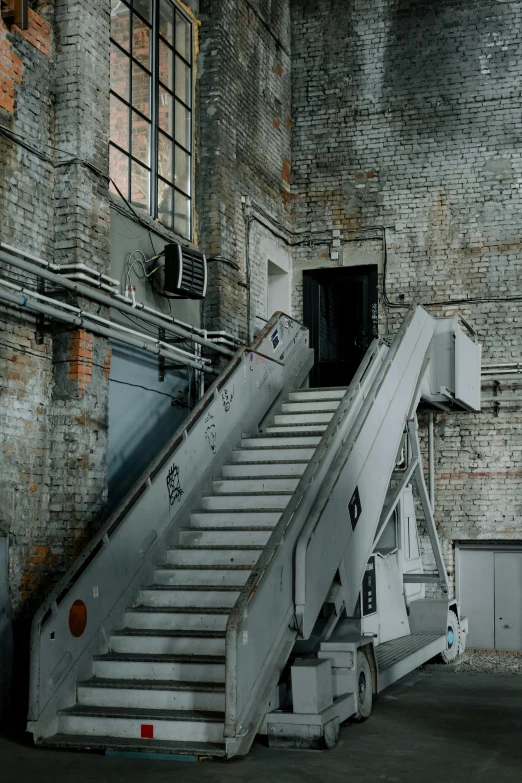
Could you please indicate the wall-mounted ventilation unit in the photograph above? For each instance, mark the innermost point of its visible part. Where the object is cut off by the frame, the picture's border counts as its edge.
(185, 272)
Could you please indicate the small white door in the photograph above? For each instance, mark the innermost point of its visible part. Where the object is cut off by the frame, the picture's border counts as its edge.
(508, 600)
(477, 596)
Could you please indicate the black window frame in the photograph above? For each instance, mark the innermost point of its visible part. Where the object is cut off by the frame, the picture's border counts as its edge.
(154, 119)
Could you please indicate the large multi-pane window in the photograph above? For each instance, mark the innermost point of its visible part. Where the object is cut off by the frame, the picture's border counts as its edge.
(151, 109)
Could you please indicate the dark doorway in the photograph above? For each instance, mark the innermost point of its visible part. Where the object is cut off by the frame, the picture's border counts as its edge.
(340, 310)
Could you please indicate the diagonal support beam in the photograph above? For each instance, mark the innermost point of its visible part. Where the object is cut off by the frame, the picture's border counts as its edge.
(389, 508)
(418, 475)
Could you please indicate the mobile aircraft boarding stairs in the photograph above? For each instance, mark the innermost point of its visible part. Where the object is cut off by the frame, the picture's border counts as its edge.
(243, 549)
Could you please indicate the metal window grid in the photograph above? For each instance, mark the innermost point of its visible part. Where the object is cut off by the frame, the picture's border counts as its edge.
(131, 6)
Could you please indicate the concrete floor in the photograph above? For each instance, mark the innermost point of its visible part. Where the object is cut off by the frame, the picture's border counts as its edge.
(431, 727)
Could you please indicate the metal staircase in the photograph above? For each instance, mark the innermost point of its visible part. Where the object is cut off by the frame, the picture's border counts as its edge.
(166, 667)
(197, 587)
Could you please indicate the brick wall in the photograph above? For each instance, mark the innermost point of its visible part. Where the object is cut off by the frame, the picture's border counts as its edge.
(53, 395)
(243, 140)
(406, 115)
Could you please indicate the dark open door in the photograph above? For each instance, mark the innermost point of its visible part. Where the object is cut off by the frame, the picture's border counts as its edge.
(340, 309)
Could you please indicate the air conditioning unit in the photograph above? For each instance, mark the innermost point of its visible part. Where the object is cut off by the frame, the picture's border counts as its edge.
(185, 272)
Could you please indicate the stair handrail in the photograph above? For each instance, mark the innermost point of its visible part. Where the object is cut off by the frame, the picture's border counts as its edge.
(102, 537)
(313, 520)
(251, 588)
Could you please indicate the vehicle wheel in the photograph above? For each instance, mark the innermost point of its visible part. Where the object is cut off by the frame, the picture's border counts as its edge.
(452, 639)
(364, 688)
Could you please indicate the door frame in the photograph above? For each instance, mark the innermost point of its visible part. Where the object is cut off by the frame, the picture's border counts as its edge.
(371, 270)
(489, 545)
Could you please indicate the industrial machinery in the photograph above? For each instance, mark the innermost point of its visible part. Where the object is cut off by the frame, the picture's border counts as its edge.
(264, 575)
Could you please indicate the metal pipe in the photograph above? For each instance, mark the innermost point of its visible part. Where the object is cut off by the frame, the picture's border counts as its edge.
(78, 267)
(90, 281)
(91, 316)
(23, 301)
(510, 378)
(501, 398)
(30, 256)
(107, 301)
(431, 461)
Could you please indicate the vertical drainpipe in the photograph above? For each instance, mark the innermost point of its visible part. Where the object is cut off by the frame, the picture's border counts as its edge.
(431, 462)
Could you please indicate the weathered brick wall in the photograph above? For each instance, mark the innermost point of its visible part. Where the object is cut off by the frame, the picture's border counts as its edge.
(406, 115)
(26, 371)
(53, 396)
(243, 139)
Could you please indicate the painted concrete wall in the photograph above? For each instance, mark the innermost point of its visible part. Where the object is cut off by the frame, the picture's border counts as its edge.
(141, 416)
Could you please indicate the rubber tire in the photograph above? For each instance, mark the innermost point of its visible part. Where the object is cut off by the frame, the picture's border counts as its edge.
(451, 653)
(364, 694)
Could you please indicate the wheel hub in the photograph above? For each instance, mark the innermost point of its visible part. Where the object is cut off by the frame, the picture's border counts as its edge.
(362, 686)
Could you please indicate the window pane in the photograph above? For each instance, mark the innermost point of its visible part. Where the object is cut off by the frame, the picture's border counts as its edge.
(140, 139)
(166, 111)
(140, 90)
(183, 87)
(165, 157)
(140, 41)
(183, 37)
(119, 171)
(166, 21)
(181, 214)
(182, 169)
(120, 24)
(166, 65)
(165, 203)
(139, 186)
(120, 76)
(182, 126)
(119, 123)
(143, 8)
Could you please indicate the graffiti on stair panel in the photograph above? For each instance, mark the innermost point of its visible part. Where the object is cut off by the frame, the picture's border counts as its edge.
(173, 484)
(226, 399)
(210, 432)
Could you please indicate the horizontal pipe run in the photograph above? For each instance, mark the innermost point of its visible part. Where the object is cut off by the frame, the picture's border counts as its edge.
(510, 378)
(110, 324)
(93, 272)
(29, 256)
(107, 301)
(501, 398)
(23, 301)
(90, 281)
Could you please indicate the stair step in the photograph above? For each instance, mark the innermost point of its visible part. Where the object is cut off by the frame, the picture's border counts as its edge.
(289, 429)
(241, 519)
(258, 470)
(152, 694)
(310, 406)
(135, 666)
(177, 618)
(334, 393)
(226, 535)
(305, 418)
(280, 439)
(232, 486)
(214, 555)
(189, 595)
(172, 725)
(168, 642)
(251, 500)
(201, 575)
(273, 453)
(123, 745)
